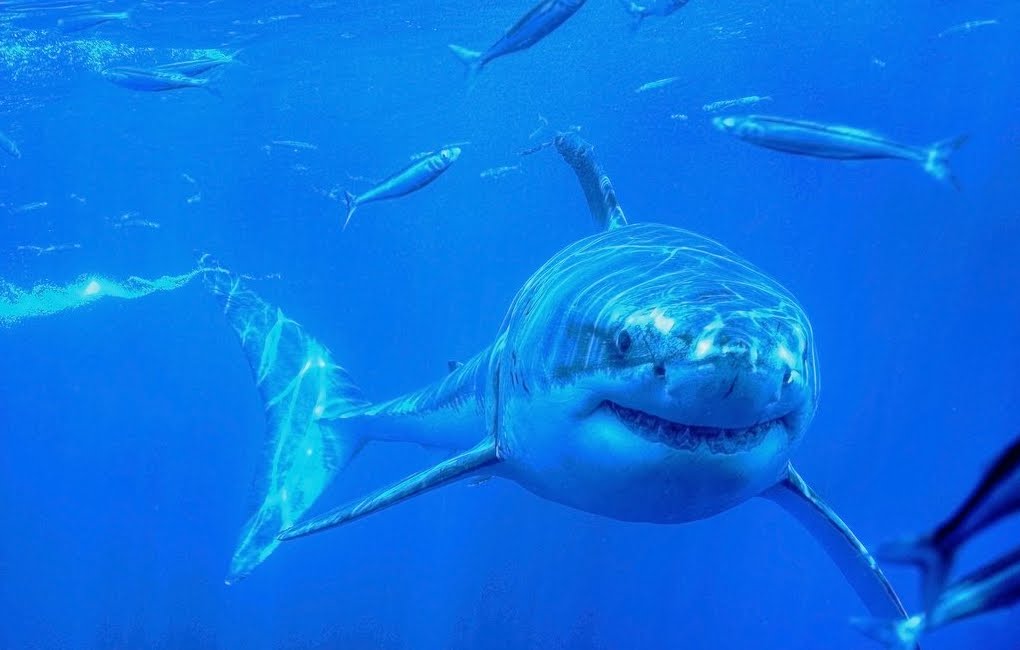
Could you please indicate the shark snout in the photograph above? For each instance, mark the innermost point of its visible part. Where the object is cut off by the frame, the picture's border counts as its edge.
(736, 379)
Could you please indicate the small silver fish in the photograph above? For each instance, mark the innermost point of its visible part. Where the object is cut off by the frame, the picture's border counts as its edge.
(499, 172)
(837, 142)
(409, 179)
(153, 80)
(659, 83)
(195, 67)
(730, 103)
(295, 144)
(82, 22)
(535, 25)
(52, 248)
(29, 207)
(968, 26)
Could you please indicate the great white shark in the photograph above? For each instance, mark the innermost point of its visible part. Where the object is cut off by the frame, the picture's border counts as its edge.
(644, 373)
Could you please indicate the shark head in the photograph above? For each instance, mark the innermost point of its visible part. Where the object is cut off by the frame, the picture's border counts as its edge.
(666, 379)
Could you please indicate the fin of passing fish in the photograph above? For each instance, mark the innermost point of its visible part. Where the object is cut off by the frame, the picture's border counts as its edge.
(922, 552)
(352, 204)
(857, 565)
(472, 59)
(448, 471)
(937, 161)
(896, 635)
(996, 495)
(637, 13)
(304, 393)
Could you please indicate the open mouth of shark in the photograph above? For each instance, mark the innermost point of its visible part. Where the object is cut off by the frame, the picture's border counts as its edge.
(690, 437)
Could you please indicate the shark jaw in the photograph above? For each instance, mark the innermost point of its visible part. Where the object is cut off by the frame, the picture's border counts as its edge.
(692, 437)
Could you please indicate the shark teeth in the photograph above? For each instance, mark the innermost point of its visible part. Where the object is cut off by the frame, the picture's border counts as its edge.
(718, 440)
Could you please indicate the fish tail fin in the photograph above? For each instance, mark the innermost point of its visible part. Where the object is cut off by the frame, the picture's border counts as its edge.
(934, 562)
(898, 635)
(936, 160)
(209, 88)
(471, 59)
(637, 13)
(305, 395)
(352, 205)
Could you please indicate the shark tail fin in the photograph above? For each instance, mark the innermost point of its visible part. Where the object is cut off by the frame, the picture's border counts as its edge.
(460, 466)
(934, 562)
(471, 59)
(936, 160)
(304, 394)
(895, 635)
(352, 205)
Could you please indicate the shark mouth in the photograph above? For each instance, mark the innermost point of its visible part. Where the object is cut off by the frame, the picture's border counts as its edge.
(690, 437)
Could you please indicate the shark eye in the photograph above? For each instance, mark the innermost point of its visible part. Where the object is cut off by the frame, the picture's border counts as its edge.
(623, 341)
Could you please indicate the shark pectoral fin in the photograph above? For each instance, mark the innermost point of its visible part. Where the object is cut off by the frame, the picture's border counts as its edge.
(448, 471)
(857, 564)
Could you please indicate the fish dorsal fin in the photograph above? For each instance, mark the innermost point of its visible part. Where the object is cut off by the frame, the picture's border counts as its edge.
(855, 562)
(460, 466)
(598, 189)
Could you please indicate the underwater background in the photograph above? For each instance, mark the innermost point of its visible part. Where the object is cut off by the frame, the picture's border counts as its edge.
(131, 428)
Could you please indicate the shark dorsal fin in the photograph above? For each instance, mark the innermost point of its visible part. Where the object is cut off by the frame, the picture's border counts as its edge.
(598, 189)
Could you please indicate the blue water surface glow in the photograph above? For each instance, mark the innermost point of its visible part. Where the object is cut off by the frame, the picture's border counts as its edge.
(131, 428)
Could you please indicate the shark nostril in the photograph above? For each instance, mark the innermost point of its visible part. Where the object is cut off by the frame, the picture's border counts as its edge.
(660, 370)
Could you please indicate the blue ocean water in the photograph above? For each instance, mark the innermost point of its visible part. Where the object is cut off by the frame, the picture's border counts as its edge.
(132, 429)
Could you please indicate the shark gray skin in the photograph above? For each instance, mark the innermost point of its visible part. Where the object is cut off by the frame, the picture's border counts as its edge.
(997, 495)
(991, 587)
(535, 25)
(644, 373)
(838, 142)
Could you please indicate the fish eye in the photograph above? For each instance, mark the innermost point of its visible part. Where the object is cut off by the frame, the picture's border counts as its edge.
(623, 341)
